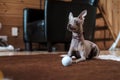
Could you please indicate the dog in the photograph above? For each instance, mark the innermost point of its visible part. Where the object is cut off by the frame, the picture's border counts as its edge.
(84, 49)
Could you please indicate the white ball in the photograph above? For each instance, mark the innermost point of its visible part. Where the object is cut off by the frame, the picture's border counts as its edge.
(66, 61)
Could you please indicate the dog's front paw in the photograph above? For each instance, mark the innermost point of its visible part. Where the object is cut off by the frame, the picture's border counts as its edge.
(75, 61)
(79, 60)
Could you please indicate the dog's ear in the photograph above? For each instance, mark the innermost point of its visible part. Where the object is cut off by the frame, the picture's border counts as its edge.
(82, 14)
(70, 16)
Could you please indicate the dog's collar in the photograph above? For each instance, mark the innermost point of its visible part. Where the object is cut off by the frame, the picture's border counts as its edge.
(78, 37)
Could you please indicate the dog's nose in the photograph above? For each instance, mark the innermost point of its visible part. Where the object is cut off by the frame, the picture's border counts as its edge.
(69, 25)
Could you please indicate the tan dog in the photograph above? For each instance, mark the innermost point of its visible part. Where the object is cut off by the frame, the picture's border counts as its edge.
(85, 49)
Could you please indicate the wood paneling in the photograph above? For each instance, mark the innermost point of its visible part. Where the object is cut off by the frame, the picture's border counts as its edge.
(112, 12)
(11, 15)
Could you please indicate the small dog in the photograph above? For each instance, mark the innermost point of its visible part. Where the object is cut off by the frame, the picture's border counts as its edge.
(84, 49)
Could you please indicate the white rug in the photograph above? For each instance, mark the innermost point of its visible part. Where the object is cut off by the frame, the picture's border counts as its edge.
(109, 57)
(104, 57)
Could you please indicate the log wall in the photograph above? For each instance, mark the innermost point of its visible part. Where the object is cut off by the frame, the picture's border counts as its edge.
(11, 15)
(111, 10)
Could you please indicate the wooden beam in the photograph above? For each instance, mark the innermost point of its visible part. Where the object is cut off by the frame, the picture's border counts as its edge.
(106, 20)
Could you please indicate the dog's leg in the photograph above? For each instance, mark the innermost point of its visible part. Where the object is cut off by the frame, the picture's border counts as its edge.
(83, 58)
(71, 48)
(70, 51)
(96, 50)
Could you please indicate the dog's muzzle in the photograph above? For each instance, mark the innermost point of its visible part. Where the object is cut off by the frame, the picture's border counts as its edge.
(71, 28)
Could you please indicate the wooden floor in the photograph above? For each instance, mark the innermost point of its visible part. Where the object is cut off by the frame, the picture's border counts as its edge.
(12, 53)
(19, 53)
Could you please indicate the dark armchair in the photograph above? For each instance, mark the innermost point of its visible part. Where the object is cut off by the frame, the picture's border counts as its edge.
(49, 25)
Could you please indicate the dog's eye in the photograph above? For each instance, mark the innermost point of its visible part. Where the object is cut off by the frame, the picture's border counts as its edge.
(76, 21)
